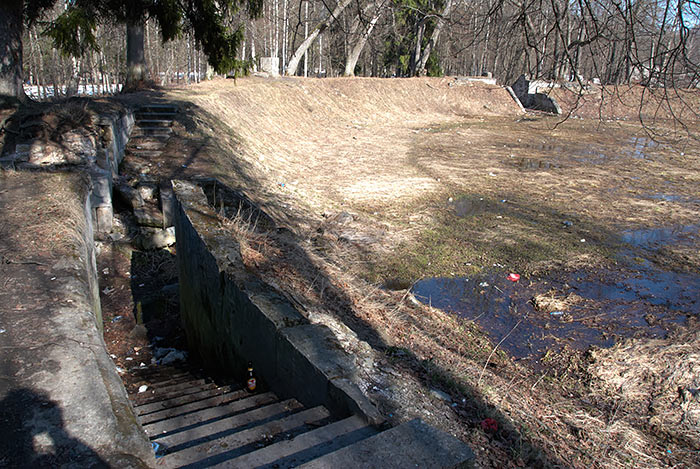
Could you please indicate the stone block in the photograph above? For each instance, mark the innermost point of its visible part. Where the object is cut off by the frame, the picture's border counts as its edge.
(270, 65)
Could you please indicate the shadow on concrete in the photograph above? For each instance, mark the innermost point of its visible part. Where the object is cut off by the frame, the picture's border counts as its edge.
(33, 434)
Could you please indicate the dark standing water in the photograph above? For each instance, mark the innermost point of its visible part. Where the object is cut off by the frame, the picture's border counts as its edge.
(638, 299)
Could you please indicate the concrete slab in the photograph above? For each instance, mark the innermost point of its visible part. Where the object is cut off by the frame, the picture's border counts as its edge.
(412, 444)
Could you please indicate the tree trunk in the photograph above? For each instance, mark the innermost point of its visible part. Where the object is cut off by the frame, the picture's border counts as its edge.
(301, 50)
(11, 26)
(420, 66)
(135, 59)
(356, 50)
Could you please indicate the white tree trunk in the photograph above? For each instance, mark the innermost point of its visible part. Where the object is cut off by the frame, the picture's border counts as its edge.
(356, 50)
(301, 50)
(420, 66)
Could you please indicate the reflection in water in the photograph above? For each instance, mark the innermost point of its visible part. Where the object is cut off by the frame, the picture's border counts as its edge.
(640, 298)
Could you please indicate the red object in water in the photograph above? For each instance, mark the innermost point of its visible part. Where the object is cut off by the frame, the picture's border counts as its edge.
(513, 277)
(489, 425)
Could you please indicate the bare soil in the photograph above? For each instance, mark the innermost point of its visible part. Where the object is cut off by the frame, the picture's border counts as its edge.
(384, 182)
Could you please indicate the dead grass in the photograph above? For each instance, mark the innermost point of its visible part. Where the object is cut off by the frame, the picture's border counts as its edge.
(392, 153)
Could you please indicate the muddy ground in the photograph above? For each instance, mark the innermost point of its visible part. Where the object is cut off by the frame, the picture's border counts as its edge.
(408, 203)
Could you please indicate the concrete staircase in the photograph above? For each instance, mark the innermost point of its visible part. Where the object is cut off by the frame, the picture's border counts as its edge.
(194, 422)
(153, 128)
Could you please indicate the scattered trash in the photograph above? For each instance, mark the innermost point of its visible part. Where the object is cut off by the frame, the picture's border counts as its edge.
(120, 370)
(499, 265)
(489, 425)
(142, 365)
(143, 388)
(281, 184)
(107, 290)
(141, 284)
(513, 277)
(557, 313)
(113, 356)
(166, 356)
(504, 201)
(53, 278)
(450, 199)
(493, 174)
(251, 383)
(157, 450)
(583, 240)
(128, 359)
(567, 223)
(2, 331)
(117, 318)
(105, 271)
(184, 165)
(484, 284)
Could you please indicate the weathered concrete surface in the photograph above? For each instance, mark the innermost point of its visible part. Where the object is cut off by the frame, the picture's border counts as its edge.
(538, 101)
(412, 444)
(62, 403)
(232, 317)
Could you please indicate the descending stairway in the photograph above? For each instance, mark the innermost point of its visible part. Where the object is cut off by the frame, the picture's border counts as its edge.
(194, 422)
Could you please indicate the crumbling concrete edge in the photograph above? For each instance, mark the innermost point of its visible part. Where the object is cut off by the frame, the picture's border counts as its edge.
(231, 317)
(515, 98)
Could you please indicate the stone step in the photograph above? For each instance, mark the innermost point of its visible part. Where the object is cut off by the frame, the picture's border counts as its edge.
(307, 446)
(181, 400)
(209, 414)
(145, 143)
(155, 114)
(147, 398)
(138, 138)
(151, 131)
(412, 444)
(151, 395)
(157, 107)
(156, 123)
(146, 153)
(159, 373)
(226, 446)
(194, 406)
(185, 436)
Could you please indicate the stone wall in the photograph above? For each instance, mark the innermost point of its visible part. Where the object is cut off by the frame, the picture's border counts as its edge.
(62, 403)
(97, 150)
(231, 317)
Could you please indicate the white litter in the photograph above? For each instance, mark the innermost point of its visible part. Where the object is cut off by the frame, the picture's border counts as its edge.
(143, 388)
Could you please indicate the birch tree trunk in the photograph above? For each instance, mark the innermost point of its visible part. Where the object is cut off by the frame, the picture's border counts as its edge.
(420, 66)
(303, 47)
(356, 50)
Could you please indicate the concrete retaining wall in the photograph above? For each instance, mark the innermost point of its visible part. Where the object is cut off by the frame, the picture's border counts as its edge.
(62, 403)
(231, 318)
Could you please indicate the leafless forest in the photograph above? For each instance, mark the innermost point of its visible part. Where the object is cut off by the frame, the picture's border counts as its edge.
(653, 42)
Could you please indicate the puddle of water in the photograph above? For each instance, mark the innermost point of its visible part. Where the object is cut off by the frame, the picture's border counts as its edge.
(641, 147)
(534, 163)
(653, 238)
(638, 299)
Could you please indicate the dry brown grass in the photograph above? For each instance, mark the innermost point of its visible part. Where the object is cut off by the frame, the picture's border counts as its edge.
(391, 153)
